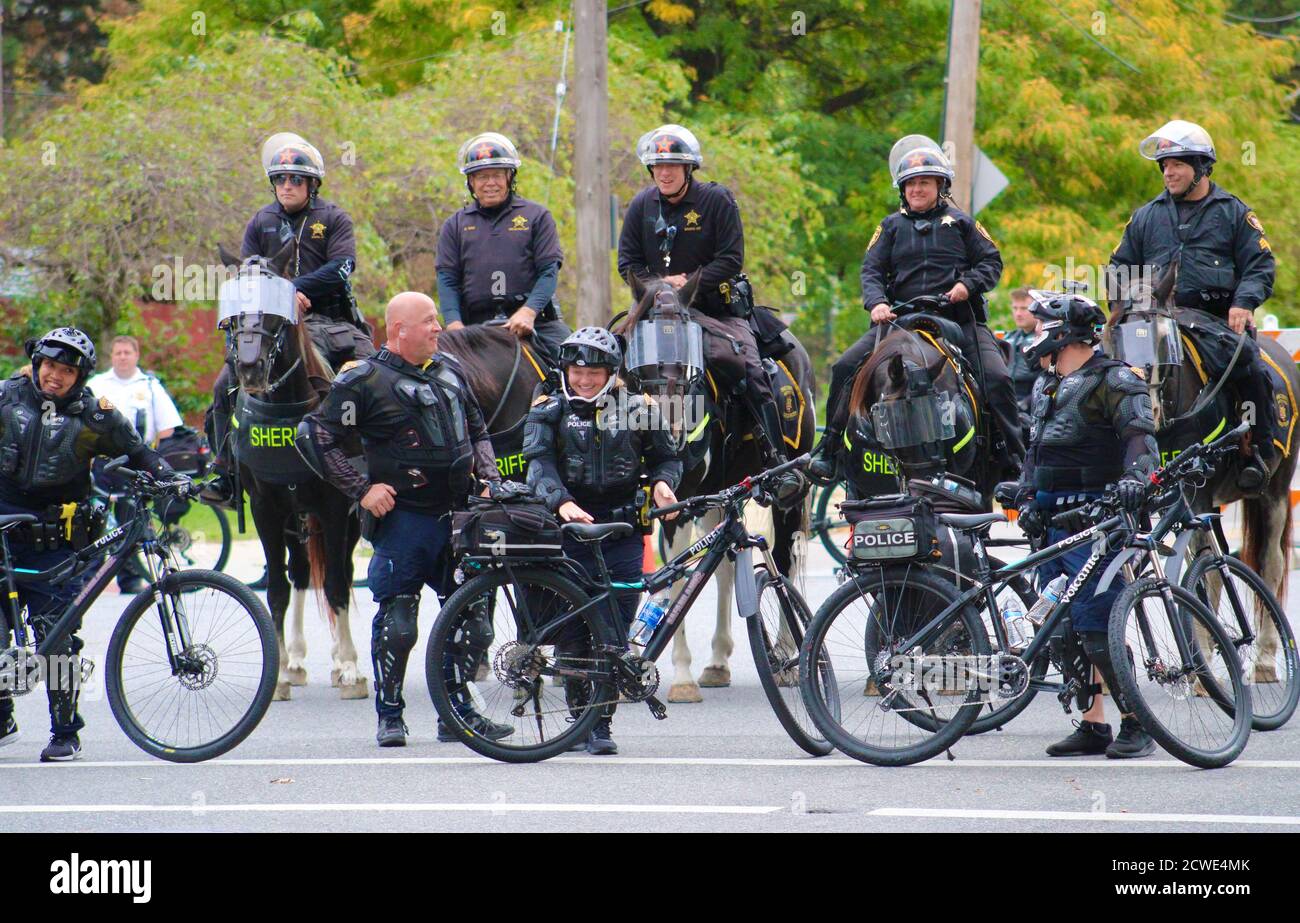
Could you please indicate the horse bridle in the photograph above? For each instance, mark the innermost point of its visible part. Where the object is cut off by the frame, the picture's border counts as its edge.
(244, 338)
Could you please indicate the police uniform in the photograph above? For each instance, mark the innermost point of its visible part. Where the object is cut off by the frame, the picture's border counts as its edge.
(1023, 375)
(492, 261)
(421, 432)
(46, 447)
(925, 254)
(702, 232)
(1088, 430)
(1224, 261)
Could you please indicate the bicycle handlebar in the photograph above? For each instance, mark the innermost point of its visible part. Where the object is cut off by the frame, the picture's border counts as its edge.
(181, 487)
(729, 495)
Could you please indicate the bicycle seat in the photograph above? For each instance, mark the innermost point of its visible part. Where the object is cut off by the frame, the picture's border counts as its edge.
(9, 520)
(965, 522)
(596, 532)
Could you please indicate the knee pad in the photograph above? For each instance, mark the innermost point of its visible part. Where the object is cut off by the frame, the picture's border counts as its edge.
(400, 617)
(1096, 645)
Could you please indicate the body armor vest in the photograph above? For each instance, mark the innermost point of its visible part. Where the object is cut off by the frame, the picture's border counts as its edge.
(436, 441)
(1073, 451)
(38, 446)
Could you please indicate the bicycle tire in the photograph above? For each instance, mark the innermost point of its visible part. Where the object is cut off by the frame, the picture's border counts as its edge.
(1189, 609)
(793, 616)
(223, 529)
(991, 720)
(822, 519)
(943, 733)
(181, 586)
(443, 646)
(1265, 715)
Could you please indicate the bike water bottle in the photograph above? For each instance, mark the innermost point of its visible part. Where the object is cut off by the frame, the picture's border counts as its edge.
(1018, 631)
(1047, 602)
(648, 619)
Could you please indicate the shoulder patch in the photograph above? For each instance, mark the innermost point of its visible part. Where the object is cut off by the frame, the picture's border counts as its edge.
(105, 404)
(1138, 372)
(541, 399)
(357, 368)
(350, 364)
(875, 237)
(985, 234)
(1253, 221)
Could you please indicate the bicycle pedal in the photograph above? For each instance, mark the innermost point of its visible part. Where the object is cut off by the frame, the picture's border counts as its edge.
(657, 708)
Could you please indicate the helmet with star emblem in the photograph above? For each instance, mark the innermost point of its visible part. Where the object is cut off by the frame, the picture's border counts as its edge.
(485, 150)
(917, 155)
(287, 152)
(669, 144)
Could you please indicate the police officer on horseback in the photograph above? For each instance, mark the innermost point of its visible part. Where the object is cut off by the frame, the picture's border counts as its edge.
(410, 412)
(500, 255)
(1224, 266)
(51, 427)
(1091, 426)
(679, 227)
(323, 259)
(588, 446)
(929, 247)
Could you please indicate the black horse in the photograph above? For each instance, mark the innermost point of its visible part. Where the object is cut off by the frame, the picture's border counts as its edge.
(300, 519)
(719, 451)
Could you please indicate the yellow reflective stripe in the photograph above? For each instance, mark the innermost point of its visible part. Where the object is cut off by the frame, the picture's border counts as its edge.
(848, 445)
(699, 430)
(1196, 357)
(970, 434)
(541, 376)
(975, 405)
(1215, 435)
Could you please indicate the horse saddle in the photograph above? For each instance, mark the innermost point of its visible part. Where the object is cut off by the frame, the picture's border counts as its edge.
(338, 342)
(939, 327)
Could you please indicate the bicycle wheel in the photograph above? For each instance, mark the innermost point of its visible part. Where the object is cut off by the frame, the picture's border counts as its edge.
(1000, 711)
(226, 676)
(199, 540)
(896, 706)
(827, 522)
(529, 640)
(1270, 660)
(1197, 707)
(775, 635)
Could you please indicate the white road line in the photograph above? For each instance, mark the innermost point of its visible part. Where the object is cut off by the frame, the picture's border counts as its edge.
(1088, 816)
(504, 807)
(793, 763)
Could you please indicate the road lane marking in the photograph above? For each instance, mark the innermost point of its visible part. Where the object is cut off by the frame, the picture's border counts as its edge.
(807, 762)
(504, 807)
(1088, 816)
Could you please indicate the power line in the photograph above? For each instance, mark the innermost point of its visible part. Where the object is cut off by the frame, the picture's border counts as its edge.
(1092, 38)
(1288, 17)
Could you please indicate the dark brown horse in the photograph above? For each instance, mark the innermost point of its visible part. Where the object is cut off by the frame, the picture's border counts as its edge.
(718, 454)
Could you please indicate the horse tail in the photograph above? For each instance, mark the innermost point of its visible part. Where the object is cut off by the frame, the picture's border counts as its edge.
(317, 564)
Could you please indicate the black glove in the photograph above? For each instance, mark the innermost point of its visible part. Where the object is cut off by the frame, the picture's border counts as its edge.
(1031, 520)
(1131, 494)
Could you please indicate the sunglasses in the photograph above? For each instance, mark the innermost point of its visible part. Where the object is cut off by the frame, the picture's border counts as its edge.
(293, 179)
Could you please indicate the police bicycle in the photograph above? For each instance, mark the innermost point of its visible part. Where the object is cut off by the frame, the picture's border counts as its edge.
(557, 662)
(924, 653)
(196, 534)
(192, 663)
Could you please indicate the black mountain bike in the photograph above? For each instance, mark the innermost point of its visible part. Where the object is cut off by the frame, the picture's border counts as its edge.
(192, 663)
(923, 652)
(557, 660)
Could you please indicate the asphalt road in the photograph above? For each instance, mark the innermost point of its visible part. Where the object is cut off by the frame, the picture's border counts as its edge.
(724, 764)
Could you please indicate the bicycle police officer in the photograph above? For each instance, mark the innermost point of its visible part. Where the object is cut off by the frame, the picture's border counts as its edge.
(324, 257)
(501, 254)
(586, 455)
(50, 429)
(1091, 426)
(928, 247)
(424, 442)
(1225, 268)
(678, 227)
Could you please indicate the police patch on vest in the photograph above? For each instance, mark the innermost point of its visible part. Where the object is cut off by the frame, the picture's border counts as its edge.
(789, 406)
(985, 234)
(1253, 221)
(105, 404)
(1283, 408)
(519, 223)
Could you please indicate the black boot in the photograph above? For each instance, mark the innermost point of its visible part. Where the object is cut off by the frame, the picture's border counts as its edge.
(62, 748)
(483, 727)
(1088, 739)
(1253, 476)
(600, 743)
(1132, 742)
(825, 464)
(220, 490)
(789, 487)
(392, 732)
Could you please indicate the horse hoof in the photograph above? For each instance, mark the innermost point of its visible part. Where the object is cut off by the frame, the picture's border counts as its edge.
(1265, 673)
(334, 676)
(358, 690)
(684, 694)
(715, 677)
(281, 692)
(297, 676)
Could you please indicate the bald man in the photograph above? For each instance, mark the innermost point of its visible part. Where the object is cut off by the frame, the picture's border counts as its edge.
(426, 446)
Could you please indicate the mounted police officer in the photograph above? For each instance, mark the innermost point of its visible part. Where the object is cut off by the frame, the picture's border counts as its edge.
(320, 267)
(424, 442)
(1091, 426)
(1225, 268)
(50, 429)
(501, 255)
(678, 227)
(928, 247)
(588, 447)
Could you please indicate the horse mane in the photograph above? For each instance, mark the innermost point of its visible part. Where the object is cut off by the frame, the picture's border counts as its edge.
(892, 344)
(312, 361)
(647, 300)
(469, 345)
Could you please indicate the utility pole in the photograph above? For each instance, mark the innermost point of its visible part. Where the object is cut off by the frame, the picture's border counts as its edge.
(959, 96)
(2, 74)
(591, 162)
